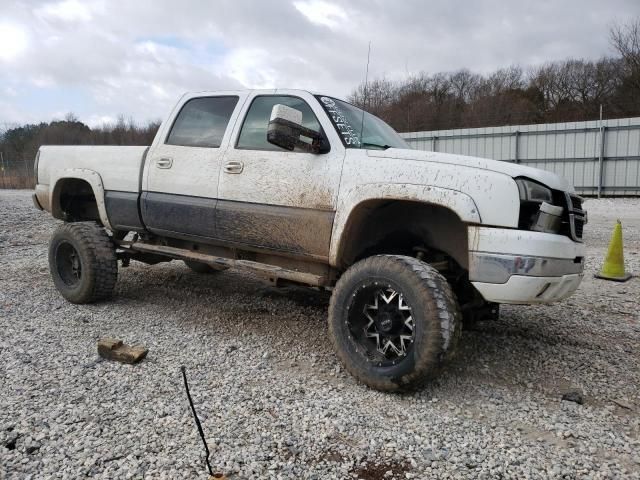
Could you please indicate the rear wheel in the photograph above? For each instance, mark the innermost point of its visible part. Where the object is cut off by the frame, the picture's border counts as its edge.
(394, 322)
(82, 261)
(202, 267)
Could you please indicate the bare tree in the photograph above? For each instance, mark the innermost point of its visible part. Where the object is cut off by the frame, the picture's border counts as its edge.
(374, 96)
(625, 38)
(71, 117)
(463, 84)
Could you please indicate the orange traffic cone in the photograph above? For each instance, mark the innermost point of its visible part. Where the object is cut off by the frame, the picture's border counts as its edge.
(613, 268)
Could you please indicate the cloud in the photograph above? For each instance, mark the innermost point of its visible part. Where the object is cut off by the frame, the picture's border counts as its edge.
(322, 13)
(66, 11)
(102, 58)
(251, 67)
(100, 120)
(13, 41)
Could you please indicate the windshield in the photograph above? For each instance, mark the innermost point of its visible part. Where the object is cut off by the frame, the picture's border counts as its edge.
(348, 122)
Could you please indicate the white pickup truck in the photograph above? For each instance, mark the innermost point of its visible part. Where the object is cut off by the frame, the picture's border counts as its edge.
(308, 189)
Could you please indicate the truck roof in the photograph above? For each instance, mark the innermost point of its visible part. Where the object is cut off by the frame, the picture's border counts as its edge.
(250, 90)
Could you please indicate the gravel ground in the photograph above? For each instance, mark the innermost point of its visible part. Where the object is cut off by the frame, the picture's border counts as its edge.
(273, 400)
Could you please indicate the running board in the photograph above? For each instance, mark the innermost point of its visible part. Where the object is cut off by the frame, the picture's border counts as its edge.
(262, 269)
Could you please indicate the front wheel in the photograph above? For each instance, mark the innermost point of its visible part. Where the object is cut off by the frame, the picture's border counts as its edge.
(83, 263)
(393, 321)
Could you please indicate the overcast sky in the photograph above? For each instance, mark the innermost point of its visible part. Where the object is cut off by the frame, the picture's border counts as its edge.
(101, 58)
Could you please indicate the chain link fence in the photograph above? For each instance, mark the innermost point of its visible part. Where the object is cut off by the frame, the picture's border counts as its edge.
(16, 173)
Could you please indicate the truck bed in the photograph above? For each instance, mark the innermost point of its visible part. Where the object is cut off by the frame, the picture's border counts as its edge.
(112, 173)
(119, 167)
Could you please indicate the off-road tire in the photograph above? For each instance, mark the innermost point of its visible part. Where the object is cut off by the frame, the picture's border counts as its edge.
(435, 312)
(199, 267)
(97, 259)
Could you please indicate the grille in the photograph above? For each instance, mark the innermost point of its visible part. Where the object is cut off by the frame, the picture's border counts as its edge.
(579, 226)
(577, 217)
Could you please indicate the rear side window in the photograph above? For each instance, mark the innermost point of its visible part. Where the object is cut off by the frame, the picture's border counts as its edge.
(202, 122)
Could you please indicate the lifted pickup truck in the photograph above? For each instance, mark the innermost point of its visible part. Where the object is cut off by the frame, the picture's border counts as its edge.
(308, 189)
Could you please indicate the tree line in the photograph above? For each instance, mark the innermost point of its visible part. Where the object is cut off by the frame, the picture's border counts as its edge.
(19, 144)
(23, 141)
(560, 91)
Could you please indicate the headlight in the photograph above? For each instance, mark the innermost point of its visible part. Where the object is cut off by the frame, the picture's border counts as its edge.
(537, 211)
(531, 191)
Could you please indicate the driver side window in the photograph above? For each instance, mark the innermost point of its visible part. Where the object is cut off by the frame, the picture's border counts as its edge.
(253, 135)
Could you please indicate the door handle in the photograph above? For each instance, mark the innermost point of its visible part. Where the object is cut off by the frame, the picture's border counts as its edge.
(164, 162)
(234, 167)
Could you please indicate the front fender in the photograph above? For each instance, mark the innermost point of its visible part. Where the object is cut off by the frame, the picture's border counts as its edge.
(458, 202)
(93, 179)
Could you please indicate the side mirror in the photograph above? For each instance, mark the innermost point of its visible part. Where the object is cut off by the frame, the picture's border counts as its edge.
(286, 131)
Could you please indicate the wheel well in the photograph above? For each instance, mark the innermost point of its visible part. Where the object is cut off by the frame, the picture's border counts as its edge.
(405, 228)
(74, 201)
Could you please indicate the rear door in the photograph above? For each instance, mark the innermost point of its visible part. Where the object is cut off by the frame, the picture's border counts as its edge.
(181, 183)
(275, 199)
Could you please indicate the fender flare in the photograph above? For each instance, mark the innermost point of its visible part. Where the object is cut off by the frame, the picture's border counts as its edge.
(458, 202)
(93, 179)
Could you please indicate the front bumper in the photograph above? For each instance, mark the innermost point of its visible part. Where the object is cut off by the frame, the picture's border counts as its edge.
(523, 267)
(529, 290)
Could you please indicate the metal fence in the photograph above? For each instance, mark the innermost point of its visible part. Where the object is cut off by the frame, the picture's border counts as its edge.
(598, 157)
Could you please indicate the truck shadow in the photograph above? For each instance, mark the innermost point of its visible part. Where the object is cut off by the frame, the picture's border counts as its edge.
(529, 349)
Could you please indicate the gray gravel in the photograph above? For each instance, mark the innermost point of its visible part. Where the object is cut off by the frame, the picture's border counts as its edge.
(273, 400)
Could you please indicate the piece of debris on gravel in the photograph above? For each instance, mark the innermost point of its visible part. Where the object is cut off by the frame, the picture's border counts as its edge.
(114, 349)
(574, 396)
(622, 403)
(370, 470)
(272, 400)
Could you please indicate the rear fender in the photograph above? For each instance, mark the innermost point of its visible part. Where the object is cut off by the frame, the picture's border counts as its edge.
(89, 176)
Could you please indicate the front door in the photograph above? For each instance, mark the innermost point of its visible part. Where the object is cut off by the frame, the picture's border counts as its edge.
(180, 193)
(275, 199)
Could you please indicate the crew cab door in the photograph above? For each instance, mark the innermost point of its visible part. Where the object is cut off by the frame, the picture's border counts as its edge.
(180, 190)
(272, 198)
